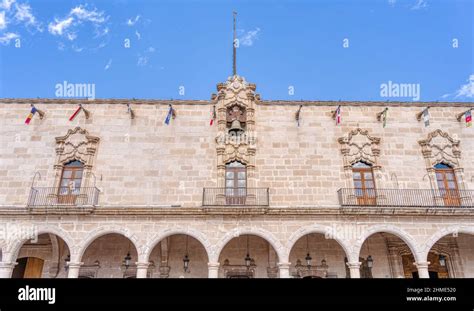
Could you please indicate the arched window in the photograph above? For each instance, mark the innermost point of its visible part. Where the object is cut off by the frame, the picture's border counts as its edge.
(236, 183)
(447, 184)
(364, 183)
(71, 179)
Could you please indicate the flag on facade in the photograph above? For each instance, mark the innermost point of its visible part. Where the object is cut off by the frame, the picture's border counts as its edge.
(338, 115)
(30, 116)
(426, 117)
(384, 117)
(75, 113)
(468, 116)
(171, 114)
(213, 116)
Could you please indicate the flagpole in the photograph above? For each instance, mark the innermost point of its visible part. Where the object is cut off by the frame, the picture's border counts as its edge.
(234, 55)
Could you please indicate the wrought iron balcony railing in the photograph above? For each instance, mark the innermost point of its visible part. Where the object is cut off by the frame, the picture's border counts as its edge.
(235, 196)
(63, 196)
(406, 197)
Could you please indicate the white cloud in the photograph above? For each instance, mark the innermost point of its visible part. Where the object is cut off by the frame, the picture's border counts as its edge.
(88, 15)
(78, 15)
(466, 90)
(3, 22)
(6, 4)
(23, 14)
(420, 4)
(139, 36)
(248, 38)
(392, 2)
(142, 61)
(150, 49)
(131, 22)
(108, 64)
(7, 37)
(59, 26)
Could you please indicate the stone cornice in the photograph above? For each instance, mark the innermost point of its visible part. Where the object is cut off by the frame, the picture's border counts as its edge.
(236, 211)
(65, 101)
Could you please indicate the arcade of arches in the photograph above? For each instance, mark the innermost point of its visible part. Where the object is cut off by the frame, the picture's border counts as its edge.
(113, 255)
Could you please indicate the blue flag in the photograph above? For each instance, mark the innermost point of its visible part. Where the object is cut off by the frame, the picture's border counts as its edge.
(169, 115)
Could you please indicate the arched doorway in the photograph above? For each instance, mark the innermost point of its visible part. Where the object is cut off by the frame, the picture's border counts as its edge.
(452, 256)
(109, 256)
(178, 256)
(44, 257)
(248, 256)
(314, 256)
(385, 255)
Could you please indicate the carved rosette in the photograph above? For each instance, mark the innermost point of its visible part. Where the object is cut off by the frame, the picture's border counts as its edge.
(437, 148)
(236, 92)
(78, 145)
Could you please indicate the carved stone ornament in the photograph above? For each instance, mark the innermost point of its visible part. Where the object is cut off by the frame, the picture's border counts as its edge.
(439, 147)
(236, 100)
(78, 145)
(357, 146)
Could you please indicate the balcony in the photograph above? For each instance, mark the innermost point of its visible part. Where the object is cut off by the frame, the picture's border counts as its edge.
(406, 197)
(235, 197)
(63, 196)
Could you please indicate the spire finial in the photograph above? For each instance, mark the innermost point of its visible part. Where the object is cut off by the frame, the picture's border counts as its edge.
(235, 43)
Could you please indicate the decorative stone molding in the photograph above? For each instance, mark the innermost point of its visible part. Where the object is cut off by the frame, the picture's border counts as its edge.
(440, 147)
(78, 145)
(359, 146)
(236, 95)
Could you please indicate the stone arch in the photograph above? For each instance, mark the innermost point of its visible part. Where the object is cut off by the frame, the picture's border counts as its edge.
(267, 236)
(99, 232)
(12, 250)
(454, 230)
(326, 230)
(400, 233)
(157, 238)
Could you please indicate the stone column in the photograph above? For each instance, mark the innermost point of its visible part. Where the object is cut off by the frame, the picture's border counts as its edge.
(354, 269)
(284, 269)
(395, 262)
(6, 269)
(454, 259)
(73, 269)
(423, 269)
(142, 269)
(213, 270)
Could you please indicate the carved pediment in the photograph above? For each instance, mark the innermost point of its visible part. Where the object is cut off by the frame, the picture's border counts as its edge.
(77, 144)
(358, 145)
(439, 147)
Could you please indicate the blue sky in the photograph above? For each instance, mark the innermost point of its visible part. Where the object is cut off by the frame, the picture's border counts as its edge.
(324, 50)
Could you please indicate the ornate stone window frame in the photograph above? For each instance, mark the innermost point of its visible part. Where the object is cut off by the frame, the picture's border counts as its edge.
(359, 146)
(440, 147)
(236, 91)
(78, 145)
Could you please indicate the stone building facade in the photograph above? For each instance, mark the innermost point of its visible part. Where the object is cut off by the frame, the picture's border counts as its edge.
(271, 189)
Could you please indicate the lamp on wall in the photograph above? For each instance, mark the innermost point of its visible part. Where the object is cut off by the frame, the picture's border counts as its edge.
(66, 262)
(127, 259)
(186, 257)
(442, 260)
(248, 259)
(308, 257)
(370, 261)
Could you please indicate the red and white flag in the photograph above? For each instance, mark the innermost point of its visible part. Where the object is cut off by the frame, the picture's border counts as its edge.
(213, 116)
(75, 113)
(338, 115)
